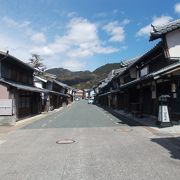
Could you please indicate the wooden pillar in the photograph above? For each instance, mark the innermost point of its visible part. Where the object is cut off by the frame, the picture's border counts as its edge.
(109, 100)
(141, 100)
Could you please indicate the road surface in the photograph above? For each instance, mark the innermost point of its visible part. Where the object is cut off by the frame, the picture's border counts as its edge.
(105, 148)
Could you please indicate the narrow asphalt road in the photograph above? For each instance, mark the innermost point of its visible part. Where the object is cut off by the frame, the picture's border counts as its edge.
(105, 148)
(79, 115)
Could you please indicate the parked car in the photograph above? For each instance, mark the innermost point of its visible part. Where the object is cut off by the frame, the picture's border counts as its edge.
(77, 99)
(90, 101)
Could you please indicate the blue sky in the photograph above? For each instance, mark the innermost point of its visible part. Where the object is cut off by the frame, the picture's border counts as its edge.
(81, 34)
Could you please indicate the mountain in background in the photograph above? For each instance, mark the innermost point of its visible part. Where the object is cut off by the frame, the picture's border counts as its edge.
(83, 79)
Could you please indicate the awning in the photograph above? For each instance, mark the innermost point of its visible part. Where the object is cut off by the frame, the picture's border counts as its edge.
(60, 83)
(115, 91)
(166, 70)
(30, 88)
(57, 93)
(105, 94)
(22, 87)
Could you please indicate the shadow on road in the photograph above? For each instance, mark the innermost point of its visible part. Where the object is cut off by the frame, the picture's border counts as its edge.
(122, 119)
(172, 144)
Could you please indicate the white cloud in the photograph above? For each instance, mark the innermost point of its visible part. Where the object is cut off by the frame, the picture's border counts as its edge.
(115, 31)
(43, 50)
(80, 53)
(70, 50)
(72, 14)
(12, 23)
(157, 21)
(80, 41)
(177, 8)
(125, 22)
(14, 46)
(106, 50)
(73, 65)
(115, 11)
(82, 31)
(25, 28)
(38, 38)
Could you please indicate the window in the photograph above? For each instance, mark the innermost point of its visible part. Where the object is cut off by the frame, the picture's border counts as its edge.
(144, 71)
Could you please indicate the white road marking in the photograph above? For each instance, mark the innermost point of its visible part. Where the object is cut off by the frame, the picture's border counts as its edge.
(2, 141)
(44, 125)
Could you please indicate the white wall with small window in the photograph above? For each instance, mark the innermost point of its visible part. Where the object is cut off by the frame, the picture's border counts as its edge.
(173, 43)
(144, 71)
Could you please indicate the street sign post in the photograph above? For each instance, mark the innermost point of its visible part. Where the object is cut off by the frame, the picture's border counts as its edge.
(163, 115)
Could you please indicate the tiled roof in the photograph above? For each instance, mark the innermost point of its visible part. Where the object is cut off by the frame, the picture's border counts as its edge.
(70, 87)
(103, 84)
(136, 60)
(153, 74)
(166, 69)
(8, 56)
(130, 83)
(117, 71)
(22, 87)
(159, 31)
(58, 93)
(113, 73)
(104, 94)
(127, 63)
(29, 88)
(60, 83)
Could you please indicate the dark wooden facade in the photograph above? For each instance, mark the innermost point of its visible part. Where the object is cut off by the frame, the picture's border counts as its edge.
(58, 96)
(137, 88)
(17, 77)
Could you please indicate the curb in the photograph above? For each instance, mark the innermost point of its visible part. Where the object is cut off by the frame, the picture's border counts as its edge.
(126, 119)
(132, 122)
(29, 120)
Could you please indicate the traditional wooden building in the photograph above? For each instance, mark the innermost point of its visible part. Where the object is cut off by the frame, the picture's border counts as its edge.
(71, 93)
(19, 98)
(79, 93)
(109, 87)
(57, 94)
(41, 82)
(139, 85)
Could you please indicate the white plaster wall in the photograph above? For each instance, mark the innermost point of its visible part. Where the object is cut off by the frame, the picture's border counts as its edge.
(92, 93)
(86, 94)
(4, 93)
(133, 73)
(38, 84)
(173, 42)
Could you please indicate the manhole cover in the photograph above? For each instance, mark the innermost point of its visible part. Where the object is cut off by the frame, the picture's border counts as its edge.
(123, 129)
(65, 141)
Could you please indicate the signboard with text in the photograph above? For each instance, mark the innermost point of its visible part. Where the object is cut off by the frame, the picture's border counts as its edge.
(6, 107)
